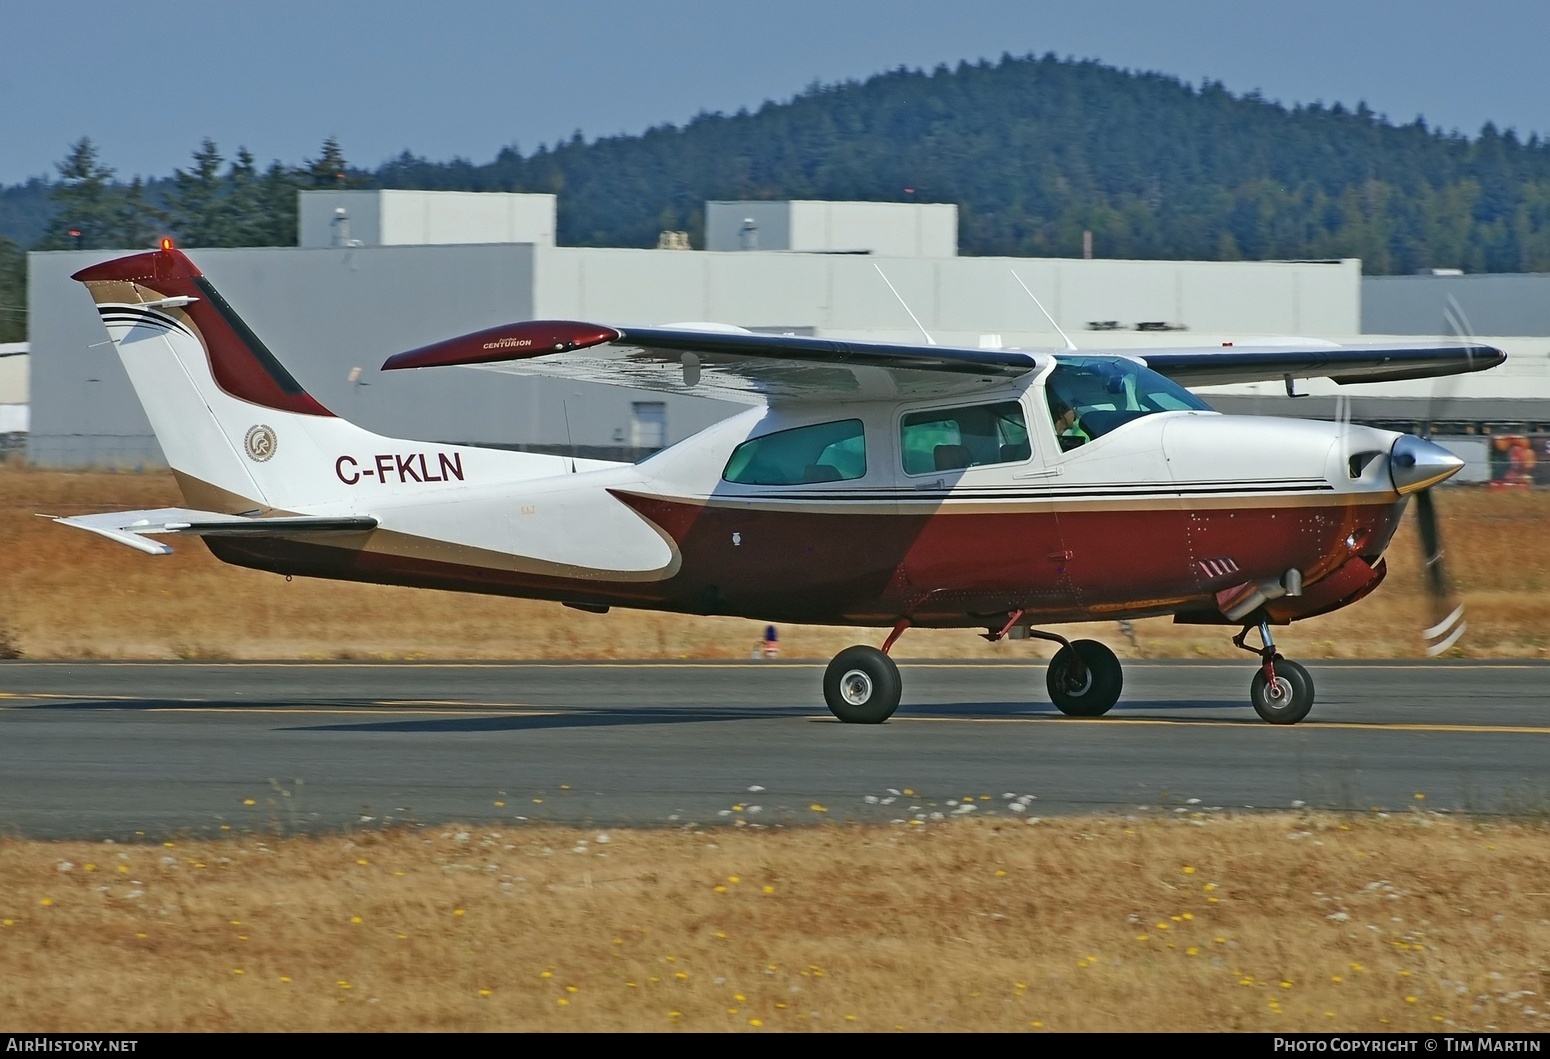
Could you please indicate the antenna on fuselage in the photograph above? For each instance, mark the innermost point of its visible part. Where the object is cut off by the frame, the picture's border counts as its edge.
(1070, 345)
(929, 340)
(570, 445)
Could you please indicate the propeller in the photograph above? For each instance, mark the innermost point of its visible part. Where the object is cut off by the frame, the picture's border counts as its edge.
(1445, 609)
(1447, 612)
(1416, 469)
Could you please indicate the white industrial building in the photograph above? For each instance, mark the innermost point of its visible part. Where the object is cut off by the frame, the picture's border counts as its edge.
(422, 218)
(889, 229)
(416, 267)
(15, 413)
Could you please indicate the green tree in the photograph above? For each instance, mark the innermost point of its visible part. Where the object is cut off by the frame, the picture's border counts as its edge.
(245, 220)
(198, 208)
(276, 196)
(86, 201)
(13, 292)
(329, 169)
(136, 222)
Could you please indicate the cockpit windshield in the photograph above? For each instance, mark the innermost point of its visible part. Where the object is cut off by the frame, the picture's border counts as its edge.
(1090, 396)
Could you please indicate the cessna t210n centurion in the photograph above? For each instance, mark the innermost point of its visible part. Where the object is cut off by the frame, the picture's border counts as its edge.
(869, 484)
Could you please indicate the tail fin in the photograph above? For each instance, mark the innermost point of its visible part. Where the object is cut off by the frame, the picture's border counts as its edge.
(238, 430)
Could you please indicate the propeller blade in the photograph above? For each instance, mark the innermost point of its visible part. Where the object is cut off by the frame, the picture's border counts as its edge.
(1447, 613)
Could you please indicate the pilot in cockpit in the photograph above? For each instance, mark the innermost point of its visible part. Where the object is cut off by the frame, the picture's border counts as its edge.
(1068, 426)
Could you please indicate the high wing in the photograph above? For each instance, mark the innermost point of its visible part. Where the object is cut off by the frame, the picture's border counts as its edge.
(726, 363)
(733, 364)
(130, 527)
(1342, 364)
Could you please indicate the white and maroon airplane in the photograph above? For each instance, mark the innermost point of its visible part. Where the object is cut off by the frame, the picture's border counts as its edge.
(869, 484)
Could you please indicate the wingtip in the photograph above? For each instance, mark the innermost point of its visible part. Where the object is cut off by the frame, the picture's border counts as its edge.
(519, 341)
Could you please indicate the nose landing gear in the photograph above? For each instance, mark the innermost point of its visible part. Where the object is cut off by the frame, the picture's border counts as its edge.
(1281, 691)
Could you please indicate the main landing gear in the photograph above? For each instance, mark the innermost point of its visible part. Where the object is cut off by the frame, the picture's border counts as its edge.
(1281, 691)
(1084, 679)
(862, 684)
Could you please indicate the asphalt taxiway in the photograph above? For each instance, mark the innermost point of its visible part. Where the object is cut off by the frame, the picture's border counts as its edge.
(116, 750)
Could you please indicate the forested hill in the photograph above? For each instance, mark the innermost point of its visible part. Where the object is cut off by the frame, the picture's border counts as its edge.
(1034, 151)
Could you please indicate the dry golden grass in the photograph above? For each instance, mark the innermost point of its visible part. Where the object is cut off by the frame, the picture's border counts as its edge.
(64, 593)
(1406, 923)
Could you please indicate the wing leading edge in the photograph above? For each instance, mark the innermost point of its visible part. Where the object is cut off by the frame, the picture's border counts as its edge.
(727, 363)
(1342, 364)
(733, 364)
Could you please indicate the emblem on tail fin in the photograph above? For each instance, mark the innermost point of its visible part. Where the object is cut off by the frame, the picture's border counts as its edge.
(261, 443)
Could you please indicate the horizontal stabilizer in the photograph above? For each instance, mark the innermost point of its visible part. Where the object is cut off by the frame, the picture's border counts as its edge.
(134, 528)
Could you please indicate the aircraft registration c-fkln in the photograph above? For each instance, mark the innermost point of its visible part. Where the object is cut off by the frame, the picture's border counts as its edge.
(872, 484)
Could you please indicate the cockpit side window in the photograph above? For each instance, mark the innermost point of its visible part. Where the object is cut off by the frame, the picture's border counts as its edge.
(823, 452)
(1090, 396)
(950, 439)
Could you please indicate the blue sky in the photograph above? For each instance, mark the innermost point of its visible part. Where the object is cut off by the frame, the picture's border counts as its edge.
(146, 80)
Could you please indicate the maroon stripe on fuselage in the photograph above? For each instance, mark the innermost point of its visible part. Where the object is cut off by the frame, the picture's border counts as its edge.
(937, 567)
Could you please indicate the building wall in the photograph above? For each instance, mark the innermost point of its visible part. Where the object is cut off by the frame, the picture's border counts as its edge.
(14, 369)
(769, 225)
(957, 300)
(890, 229)
(325, 312)
(1491, 304)
(426, 218)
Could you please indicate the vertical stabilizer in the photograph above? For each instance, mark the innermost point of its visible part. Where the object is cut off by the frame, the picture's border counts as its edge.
(238, 430)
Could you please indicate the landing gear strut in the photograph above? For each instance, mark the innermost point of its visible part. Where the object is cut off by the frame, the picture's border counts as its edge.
(1281, 691)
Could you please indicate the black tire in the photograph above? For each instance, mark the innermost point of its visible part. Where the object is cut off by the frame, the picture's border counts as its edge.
(862, 686)
(1097, 692)
(1291, 700)
(1307, 677)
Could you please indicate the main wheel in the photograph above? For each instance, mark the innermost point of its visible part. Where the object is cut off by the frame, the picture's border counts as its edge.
(1094, 691)
(862, 686)
(1289, 699)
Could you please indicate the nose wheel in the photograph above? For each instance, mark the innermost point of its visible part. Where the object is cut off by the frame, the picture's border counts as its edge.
(1281, 691)
(1288, 698)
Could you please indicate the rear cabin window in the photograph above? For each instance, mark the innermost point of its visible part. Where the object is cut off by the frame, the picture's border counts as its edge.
(952, 439)
(824, 452)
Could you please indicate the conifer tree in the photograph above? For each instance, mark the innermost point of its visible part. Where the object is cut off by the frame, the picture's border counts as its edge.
(85, 200)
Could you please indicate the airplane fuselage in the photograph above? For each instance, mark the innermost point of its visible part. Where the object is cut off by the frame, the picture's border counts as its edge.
(1159, 516)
